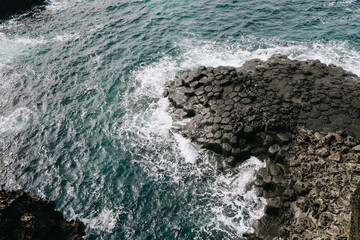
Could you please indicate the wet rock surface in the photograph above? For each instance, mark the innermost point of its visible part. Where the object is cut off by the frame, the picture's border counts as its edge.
(26, 216)
(10, 7)
(301, 117)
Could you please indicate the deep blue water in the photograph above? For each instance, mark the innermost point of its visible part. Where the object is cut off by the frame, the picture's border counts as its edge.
(82, 120)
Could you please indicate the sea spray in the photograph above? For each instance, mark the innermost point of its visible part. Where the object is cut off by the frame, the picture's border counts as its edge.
(102, 144)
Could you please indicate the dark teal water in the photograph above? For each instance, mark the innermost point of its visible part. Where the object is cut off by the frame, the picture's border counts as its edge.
(82, 120)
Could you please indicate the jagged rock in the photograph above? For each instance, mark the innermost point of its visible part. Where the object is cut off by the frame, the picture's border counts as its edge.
(357, 148)
(25, 216)
(301, 188)
(322, 152)
(274, 169)
(268, 141)
(335, 157)
(283, 137)
(273, 206)
(274, 149)
(267, 227)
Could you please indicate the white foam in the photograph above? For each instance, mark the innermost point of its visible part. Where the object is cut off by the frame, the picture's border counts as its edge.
(170, 158)
(30, 41)
(187, 150)
(229, 189)
(56, 5)
(97, 27)
(67, 37)
(341, 2)
(104, 221)
(12, 47)
(150, 79)
(161, 120)
(16, 121)
(210, 53)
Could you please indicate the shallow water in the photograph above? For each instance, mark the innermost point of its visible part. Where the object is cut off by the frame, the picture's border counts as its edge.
(82, 120)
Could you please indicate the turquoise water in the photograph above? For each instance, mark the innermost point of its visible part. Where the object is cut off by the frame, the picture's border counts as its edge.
(82, 120)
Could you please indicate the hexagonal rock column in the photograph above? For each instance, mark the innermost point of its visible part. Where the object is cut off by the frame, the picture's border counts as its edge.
(299, 116)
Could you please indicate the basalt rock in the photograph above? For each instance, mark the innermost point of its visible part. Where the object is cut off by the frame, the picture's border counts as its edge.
(302, 118)
(355, 217)
(25, 216)
(273, 95)
(320, 187)
(10, 7)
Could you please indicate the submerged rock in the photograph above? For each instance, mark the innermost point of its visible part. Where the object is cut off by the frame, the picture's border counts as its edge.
(26, 216)
(10, 7)
(302, 117)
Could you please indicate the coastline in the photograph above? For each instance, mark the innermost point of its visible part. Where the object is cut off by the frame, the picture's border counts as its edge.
(301, 117)
(26, 216)
(84, 123)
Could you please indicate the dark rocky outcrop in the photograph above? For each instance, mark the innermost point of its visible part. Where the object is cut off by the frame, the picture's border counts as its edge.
(302, 118)
(355, 217)
(10, 7)
(26, 216)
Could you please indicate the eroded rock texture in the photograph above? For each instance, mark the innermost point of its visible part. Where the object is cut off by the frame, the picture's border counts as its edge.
(355, 217)
(318, 177)
(26, 216)
(10, 7)
(302, 117)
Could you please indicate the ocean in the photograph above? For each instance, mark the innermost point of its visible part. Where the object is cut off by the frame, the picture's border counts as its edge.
(83, 120)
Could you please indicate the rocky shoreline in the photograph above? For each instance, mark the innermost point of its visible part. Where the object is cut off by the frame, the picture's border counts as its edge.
(26, 216)
(309, 191)
(302, 118)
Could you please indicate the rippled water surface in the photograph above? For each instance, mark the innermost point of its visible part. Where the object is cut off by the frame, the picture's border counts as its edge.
(82, 120)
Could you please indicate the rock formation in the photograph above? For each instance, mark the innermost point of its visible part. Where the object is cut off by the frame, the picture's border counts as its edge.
(26, 216)
(302, 118)
(310, 190)
(355, 217)
(10, 7)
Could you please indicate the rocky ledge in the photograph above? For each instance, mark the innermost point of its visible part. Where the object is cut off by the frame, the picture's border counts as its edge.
(302, 118)
(10, 7)
(26, 216)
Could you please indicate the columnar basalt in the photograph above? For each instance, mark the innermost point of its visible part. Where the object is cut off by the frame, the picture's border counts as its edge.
(309, 192)
(26, 216)
(298, 116)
